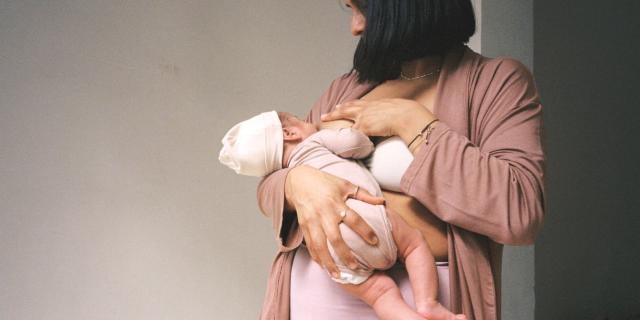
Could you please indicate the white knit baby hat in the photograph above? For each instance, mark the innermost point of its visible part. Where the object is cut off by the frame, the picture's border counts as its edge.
(254, 147)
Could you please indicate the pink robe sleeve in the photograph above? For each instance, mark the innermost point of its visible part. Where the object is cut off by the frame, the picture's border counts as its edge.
(493, 187)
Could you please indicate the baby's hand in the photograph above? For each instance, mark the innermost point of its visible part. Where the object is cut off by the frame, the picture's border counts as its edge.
(433, 310)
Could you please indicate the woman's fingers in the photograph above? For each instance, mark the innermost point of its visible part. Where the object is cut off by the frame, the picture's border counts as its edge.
(361, 227)
(341, 249)
(348, 110)
(337, 114)
(354, 220)
(308, 239)
(353, 103)
(318, 212)
(364, 195)
(317, 247)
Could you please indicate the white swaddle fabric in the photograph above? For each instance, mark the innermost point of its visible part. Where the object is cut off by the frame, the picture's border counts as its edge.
(254, 147)
(388, 163)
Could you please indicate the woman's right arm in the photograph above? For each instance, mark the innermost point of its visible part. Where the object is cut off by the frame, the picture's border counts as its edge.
(313, 199)
(304, 202)
(317, 198)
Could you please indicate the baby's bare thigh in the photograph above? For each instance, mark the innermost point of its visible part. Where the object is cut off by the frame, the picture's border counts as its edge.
(406, 237)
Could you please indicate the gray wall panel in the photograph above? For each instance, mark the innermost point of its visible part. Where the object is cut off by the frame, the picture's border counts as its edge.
(586, 59)
(507, 30)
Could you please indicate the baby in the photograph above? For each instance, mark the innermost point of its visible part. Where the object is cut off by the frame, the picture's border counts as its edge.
(274, 140)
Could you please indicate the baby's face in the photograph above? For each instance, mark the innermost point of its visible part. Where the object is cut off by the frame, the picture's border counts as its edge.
(304, 129)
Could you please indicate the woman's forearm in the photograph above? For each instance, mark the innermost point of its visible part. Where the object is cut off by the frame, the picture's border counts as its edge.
(497, 194)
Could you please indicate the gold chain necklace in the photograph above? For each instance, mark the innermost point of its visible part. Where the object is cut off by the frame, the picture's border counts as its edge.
(405, 77)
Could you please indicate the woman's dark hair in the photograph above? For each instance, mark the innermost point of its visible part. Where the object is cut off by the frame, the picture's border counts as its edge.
(402, 30)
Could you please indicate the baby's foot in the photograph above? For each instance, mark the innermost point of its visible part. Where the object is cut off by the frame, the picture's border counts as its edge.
(433, 310)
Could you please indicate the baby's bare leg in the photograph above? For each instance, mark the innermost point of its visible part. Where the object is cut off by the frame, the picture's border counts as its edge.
(379, 291)
(383, 295)
(415, 252)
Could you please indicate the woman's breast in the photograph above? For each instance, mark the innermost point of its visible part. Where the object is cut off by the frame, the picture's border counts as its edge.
(388, 163)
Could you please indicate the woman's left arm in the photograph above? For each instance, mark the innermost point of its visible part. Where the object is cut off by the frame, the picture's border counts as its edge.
(494, 187)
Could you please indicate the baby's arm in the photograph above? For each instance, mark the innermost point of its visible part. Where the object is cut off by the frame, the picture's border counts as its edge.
(415, 252)
(346, 142)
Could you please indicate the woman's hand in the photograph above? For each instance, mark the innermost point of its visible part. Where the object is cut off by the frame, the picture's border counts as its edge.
(318, 199)
(384, 118)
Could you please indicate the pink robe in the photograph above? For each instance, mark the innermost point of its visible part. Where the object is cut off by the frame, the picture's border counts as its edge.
(481, 173)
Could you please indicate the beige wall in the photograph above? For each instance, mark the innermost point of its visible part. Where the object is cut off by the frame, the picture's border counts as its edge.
(112, 202)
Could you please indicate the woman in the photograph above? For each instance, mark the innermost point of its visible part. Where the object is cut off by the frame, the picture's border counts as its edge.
(472, 182)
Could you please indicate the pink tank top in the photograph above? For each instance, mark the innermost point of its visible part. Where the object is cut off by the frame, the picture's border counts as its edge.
(315, 296)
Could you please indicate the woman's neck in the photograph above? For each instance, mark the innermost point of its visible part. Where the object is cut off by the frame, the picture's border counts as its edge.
(421, 66)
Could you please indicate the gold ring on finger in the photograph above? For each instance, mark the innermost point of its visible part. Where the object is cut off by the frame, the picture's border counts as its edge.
(342, 214)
